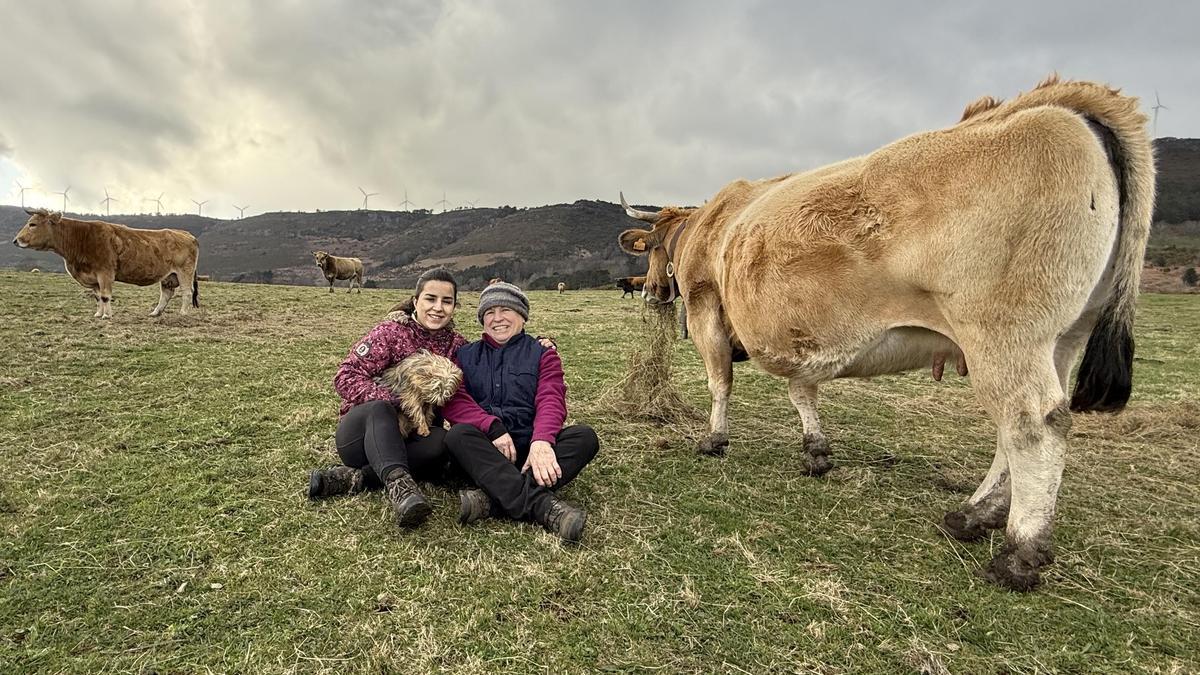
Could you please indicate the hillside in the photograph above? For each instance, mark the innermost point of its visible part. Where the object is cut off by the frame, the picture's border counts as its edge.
(536, 247)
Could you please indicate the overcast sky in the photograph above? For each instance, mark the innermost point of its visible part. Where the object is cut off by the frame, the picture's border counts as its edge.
(295, 105)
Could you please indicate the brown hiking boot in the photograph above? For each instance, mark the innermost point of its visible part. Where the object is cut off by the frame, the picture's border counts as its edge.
(564, 519)
(474, 504)
(407, 501)
(336, 480)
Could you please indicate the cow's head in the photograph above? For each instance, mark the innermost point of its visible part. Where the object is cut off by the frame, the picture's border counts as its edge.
(654, 243)
(320, 257)
(38, 232)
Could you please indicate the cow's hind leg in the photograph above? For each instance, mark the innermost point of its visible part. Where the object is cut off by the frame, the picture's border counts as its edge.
(187, 276)
(99, 305)
(804, 397)
(166, 291)
(987, 508)
(1021, 391)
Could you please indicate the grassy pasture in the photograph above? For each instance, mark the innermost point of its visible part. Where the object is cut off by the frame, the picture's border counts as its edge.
(152, 515)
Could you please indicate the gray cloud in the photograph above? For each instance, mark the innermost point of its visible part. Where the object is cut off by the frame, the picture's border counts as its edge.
(527, 102)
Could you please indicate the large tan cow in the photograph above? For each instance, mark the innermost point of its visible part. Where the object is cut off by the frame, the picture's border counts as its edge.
(98, 253)
(336, 269)
(1009, 238)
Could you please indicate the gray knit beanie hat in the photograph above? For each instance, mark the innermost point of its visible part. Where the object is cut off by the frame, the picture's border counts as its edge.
(501, 294)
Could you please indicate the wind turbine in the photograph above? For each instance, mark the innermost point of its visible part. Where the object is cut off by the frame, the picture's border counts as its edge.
(241, 210)
(156, 201)
(406, 202)
(65, 199)
(471, 204)
(106, 202)
(199, 206)
(22, 189)
(366, 196)
(444, 203)
(1156, 107)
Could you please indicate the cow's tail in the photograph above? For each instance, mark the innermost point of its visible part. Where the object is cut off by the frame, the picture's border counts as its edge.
(195, 290)
(1105, 377)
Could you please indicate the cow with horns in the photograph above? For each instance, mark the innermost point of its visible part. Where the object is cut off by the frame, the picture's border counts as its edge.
(1009, 240)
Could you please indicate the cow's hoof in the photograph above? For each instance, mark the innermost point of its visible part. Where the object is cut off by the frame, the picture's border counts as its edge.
(817, 448)
(819, 465)
(960, 526)
(714, 446)
(1017, 569)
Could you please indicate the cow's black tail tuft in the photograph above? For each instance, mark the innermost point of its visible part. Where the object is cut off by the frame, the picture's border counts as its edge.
(1105, 377)
(195, 290)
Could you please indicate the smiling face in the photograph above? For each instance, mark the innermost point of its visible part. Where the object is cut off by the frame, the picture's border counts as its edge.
(502, 323)
(435, 304)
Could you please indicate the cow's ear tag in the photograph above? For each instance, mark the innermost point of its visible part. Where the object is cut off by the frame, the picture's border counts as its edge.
(639, 245)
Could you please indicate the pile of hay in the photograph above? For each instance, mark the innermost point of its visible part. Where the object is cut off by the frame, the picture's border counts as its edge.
(646, 391)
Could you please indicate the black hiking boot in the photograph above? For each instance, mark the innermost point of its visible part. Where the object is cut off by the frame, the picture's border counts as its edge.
(564, 519)
(336, 480)
(410, 505)
(475, 504)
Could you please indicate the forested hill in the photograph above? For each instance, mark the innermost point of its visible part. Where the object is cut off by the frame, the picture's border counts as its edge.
(535, 247)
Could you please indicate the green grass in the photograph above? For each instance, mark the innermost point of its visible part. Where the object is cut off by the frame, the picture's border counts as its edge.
(152, 515)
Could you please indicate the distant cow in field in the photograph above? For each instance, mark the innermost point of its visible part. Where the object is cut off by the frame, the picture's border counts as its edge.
(630, 285)
(337, 269)
(98, 253)
(494, 280)
(562, 288)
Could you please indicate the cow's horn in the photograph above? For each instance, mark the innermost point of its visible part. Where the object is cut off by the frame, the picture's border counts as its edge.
(32, 213)
(647, 216)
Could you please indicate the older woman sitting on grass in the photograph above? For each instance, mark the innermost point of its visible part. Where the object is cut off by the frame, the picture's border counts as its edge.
(526, 454)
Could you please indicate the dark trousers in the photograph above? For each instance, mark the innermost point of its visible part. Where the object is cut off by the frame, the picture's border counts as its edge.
(368, 437)
(518, 494)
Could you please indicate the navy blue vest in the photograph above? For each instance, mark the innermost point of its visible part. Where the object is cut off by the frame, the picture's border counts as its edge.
(503, 380)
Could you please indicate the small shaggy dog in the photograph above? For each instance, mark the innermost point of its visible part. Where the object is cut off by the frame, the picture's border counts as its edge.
(423, 381)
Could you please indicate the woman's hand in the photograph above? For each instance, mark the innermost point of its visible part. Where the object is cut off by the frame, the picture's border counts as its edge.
(506, 447)
(543, 463)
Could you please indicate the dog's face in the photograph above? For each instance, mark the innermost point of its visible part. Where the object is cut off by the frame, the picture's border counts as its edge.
(433, 378)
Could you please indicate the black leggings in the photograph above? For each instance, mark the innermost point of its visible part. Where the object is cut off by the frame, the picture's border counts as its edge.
(518, 494)
(369, 437)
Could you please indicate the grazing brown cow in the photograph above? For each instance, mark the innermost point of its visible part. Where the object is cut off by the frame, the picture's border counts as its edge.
(630, 285)
(562, 288)
(1011, 238)
(336, 269)
(98, 253)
